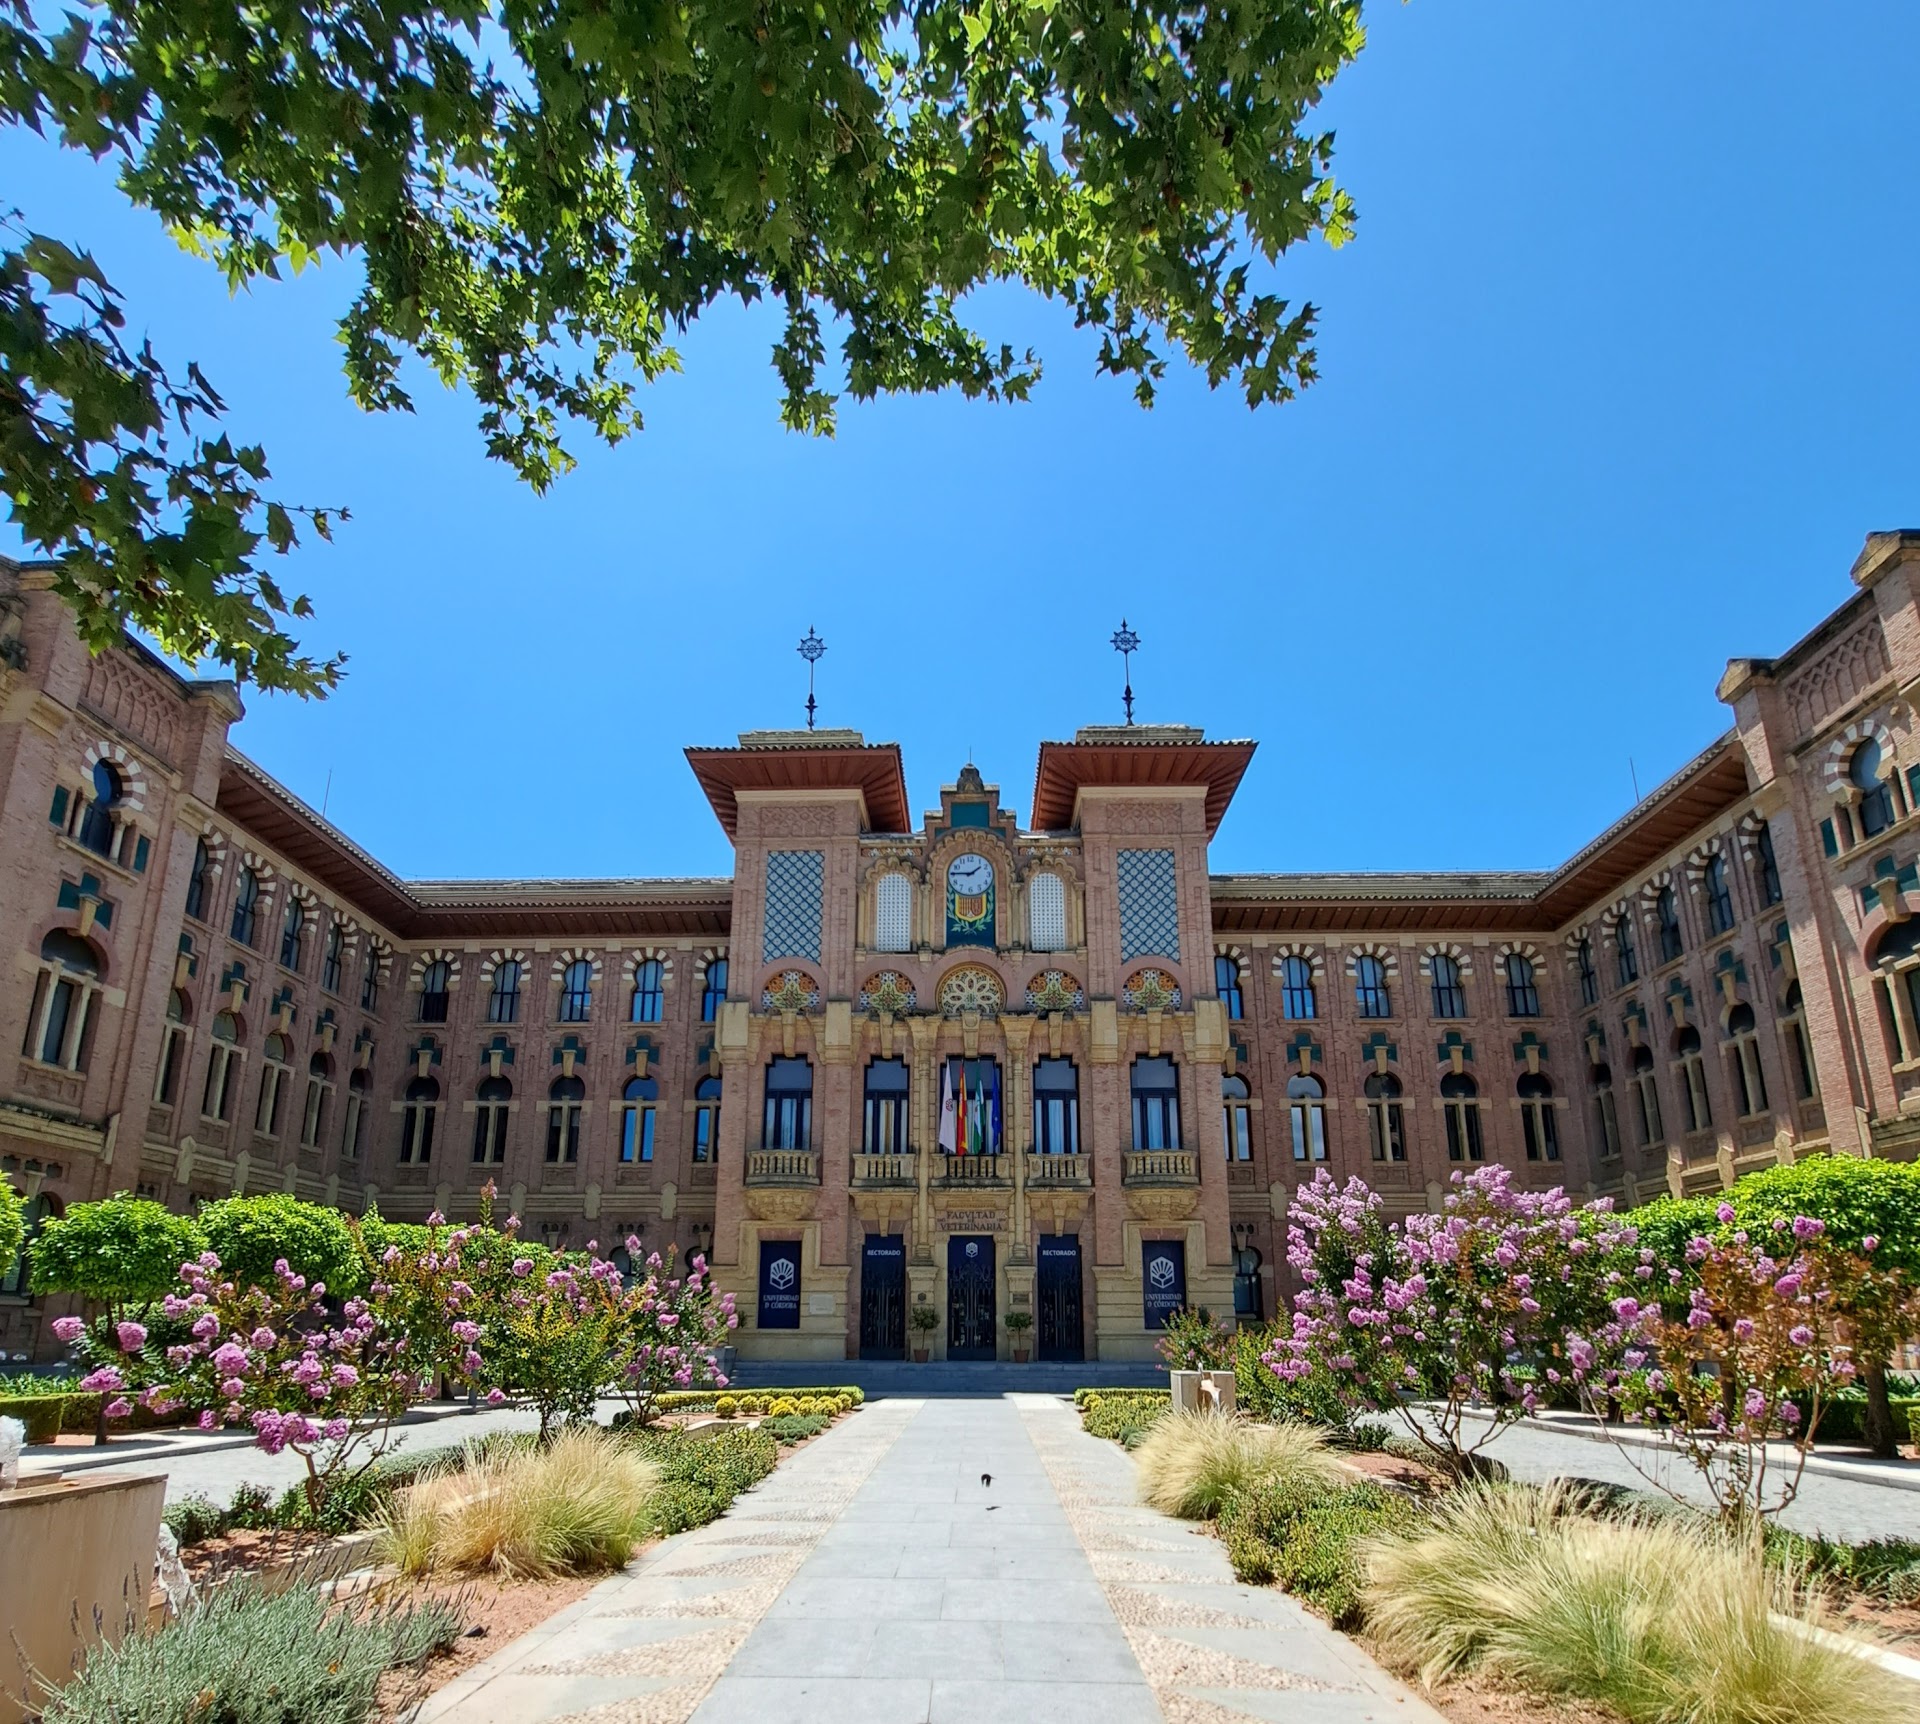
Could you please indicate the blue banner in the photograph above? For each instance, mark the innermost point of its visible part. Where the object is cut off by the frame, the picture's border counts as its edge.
(1163, 1271)
(779, 1306)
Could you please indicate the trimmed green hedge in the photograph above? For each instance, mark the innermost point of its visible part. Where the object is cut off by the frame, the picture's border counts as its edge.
(1123, 1416)
(1843, 1419)
(1082, 1396)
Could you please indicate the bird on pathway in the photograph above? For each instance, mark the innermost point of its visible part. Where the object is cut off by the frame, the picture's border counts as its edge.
(986, 1480)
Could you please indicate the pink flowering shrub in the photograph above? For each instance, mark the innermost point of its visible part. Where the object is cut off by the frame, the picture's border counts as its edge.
(671, 1327)
(1748, 1364)
(1437, 1317)
(324, 1379)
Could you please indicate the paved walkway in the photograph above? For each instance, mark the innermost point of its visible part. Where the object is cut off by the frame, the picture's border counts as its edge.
(874, 1579)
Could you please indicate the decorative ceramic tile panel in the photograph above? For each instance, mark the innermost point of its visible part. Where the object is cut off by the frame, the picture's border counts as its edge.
(1149, 904)
(893, 914)
(796, 887)
(1047, 914)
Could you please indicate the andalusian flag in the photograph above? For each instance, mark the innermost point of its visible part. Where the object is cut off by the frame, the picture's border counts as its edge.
(962, 1139)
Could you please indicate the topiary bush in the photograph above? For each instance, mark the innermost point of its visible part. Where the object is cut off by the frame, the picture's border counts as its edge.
(785, 1407)
(727, 1407)
(121, 1251)
(250, 1234)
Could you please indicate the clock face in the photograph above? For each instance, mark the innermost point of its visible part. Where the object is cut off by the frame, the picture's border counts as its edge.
(969, 875)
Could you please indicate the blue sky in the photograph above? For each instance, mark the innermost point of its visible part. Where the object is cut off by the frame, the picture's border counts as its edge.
(1613, 385)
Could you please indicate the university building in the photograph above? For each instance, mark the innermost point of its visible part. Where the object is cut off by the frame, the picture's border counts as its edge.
(989, 1058)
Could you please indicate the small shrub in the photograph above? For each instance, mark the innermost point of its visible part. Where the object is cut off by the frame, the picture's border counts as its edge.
(1658, 1618)
(41, 1414)
(1883, 1568)
(1191, 1463)
(784, 1408)
(194, 1519)
(251, 1508)
(239, 1656)
(726, 1406)
(796, 1429)
(1122, 1415)
(1310, 1537)
(700, 1475)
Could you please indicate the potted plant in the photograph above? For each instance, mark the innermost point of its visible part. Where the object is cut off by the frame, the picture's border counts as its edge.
(1018, 1323)
(924, 1320)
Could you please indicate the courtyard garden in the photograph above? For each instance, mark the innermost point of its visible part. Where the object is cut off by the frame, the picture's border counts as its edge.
(1729, 1335)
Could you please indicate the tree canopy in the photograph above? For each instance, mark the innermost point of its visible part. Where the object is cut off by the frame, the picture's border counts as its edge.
(541, 197)
(121, 1251)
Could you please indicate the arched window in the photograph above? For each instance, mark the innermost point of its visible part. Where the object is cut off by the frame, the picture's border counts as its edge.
(706, 1120)
(1875, 810)
(1449, 991)
(1692, 1072)
(1896, 961)
(173, 1049)
(1537, 1126)
(1460, 1106)
(1523, 994)
(1793, 1026)
(636, 1119)
(1226, 983)
(1766, 865)
(1156, 1104)
(199, 880)
(419, 1113)
(1386, 1123)
(576, 992)
(330, 954)
(319, 1093)
(491, 1111)
(292, 933)
(273, 1083)
(1370, 987)
(787, 1121)
(566, 1102)
(370, 980)
(503, 999)
(1583, 967)
(1646, 1097)
(893, 913)
(96, 825)
(1307, 1117)
(355, 1124)
(60, 1024)
(1605, 1117)
(1666, 916)
(1047, 913)
(649, 992)
(1719, 895)
(1743, 1057)
(246, 908)
(1236, 1118)
(436, 982)
(884, 1131)
(1296, 988)
(1626, 959)
(714, 991)
(1056, 1107)
(217, 1098)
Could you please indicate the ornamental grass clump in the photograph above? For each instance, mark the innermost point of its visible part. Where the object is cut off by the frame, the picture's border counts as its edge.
(1661, 1619)
(1190, 1464)
(576, 1506)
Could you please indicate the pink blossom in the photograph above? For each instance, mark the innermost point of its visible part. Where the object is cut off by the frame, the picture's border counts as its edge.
(131, 1336)
(207, 1421)
(118, 1408)
(495, 1397)
(100, 1381)
(69, 1329)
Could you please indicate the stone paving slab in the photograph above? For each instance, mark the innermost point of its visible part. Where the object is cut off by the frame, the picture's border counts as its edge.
(874, 1579)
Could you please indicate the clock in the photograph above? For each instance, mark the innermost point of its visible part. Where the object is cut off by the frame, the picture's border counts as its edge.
(969, 876)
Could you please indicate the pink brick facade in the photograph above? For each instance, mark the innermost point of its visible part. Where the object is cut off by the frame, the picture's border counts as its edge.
(145, 1013)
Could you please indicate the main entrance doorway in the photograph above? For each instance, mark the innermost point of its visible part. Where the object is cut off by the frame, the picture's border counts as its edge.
(970, 1303)
(883, 1297)
(1057, 1294)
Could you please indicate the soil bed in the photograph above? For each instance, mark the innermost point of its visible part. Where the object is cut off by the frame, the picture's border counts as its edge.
(506, 1609)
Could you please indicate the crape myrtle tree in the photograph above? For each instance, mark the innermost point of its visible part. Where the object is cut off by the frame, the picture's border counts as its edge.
(539, 198)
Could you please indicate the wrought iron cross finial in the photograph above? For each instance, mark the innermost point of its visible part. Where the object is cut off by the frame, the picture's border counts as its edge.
(1126, 643)
(810, 649)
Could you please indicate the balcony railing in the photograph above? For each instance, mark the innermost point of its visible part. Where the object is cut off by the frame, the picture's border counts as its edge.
(974, 1170)
(783, 1167)
(1161, 1167)
(870, 1171)
(1058, 1171)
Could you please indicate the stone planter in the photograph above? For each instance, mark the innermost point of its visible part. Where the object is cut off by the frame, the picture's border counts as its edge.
(920, 1355)
(71, 1550)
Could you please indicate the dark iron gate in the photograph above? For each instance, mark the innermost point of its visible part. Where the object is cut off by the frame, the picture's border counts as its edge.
(883, 1297)
(970, 1301)
(1057, 1294)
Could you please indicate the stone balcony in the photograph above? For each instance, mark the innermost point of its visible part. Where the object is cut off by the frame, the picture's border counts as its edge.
(883, 1172)
(1059, 1172)
(1161, 1167)
(965, 1171)
(783, 1167)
